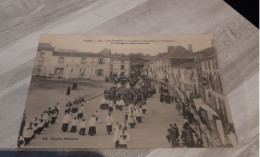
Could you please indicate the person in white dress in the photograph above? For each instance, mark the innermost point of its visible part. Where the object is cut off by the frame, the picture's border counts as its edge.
(97, 116)
(92, 126)
(121, 104)
(27, 134)
(103, 104)
(80, 111)
(126, 113)
(138, 115)
(144, 109)
(119, 85)
(74, 123)
(83, 126)
(116, 134)
(40, 124)
(65, 122)
(127, 85)
(109, 123)
(131, 120)
(54, 115)
(46, 119)
(124, 137)
(35, 129)
(110, 106)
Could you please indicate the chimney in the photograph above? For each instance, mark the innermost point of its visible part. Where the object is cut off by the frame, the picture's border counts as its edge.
(190, 48)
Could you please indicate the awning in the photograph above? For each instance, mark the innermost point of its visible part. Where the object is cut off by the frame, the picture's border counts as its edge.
(199, 103)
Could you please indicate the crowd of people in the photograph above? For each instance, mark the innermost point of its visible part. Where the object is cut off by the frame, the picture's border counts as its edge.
(186, 139)
(30, 129)
(129, 96)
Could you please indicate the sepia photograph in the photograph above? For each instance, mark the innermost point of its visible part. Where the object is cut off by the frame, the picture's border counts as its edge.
(126, 91)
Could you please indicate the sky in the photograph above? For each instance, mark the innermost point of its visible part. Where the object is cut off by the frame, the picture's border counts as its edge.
(147, 44)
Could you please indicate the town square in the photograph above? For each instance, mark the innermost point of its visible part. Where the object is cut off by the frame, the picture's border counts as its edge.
(172, 99)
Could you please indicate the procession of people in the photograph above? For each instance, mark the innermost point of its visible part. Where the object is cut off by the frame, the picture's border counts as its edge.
(127, 96)
(31, 128)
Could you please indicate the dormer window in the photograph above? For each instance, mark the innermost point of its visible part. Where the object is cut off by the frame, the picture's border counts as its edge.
(61, 60)
(101, 61)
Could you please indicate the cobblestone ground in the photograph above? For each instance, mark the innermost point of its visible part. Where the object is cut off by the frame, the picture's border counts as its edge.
(151, 133)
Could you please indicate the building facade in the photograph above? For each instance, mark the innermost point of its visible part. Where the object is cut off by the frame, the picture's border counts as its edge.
(120, 65)
(72, 64)
(212, 85)
(160, 67)
(196, 75)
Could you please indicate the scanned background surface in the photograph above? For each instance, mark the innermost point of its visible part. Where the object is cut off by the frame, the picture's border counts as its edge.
(236, 42)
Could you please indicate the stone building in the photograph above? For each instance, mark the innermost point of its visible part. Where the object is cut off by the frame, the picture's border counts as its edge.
(72, 64)
(120, 65)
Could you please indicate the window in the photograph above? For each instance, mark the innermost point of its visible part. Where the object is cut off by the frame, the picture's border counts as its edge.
(38, 70)
(122, 67)
(40, 63)
(216, 64)
(101, 61)
(42, 54)
(83, 61)
(61, 60)
(59, 71)
(100, 72)
(82, 71)
(209, 64)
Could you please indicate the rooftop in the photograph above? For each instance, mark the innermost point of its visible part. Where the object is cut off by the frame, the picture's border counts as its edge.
(186, 65)
(175, 52)
(179, 52)
(77, 54)
(207, 53)
(45, 46)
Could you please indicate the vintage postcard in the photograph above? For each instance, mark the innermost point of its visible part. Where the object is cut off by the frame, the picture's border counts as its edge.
(126, 91)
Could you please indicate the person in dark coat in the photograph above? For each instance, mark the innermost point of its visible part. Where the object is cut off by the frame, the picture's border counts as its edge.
(190, 116)
(68, 91)
(22, 124)
(183, 107)
(186, 125)
(190, 140)
(176, 130)
(184, 137)
(170, 134)
(76, 86)
(178, 107)
(199, 142)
